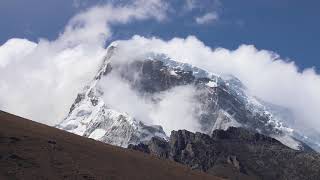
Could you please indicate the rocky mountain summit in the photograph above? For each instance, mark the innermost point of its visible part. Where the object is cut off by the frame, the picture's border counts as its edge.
(235, 153)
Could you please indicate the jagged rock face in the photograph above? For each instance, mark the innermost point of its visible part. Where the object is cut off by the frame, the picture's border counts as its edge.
(217, 101)
(235, 153)
(223, 101)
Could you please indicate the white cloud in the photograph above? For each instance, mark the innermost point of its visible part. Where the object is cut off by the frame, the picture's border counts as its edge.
(40, 80)
(211, 7)
(207, 18)
(93, 26)
(263, 72)
(178, 109)
(174, 109)
(14, 49)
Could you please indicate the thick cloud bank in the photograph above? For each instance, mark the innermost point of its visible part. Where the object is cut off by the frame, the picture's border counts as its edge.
(264, 74)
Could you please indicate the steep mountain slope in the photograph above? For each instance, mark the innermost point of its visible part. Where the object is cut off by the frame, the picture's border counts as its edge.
(243, 154)
(29, 150)
(223, 102)
(89, 116)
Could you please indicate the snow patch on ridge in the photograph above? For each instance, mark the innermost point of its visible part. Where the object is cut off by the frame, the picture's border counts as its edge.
(289, 141)
(224, 121)
(197, 72)
(212, 84)
(97, 134)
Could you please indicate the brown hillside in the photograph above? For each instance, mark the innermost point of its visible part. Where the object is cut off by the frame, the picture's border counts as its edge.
(29, 150)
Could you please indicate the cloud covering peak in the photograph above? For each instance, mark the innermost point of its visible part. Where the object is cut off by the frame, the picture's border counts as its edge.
(263, 72)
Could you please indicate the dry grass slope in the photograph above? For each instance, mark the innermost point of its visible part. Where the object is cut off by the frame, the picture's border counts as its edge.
(29, 150)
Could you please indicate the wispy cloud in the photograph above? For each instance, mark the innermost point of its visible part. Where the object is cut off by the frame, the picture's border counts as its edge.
(174, 109)
(203, 4)
(190, 4)
(209, 10)
(207, 18)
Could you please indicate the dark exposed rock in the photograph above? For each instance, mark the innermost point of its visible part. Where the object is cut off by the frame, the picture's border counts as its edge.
(153, 76)
(156, 147)
(77, 100)
(240, 134)
(140, 147)
(235, 153)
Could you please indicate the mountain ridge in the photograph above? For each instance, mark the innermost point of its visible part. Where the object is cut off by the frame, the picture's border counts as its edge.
(245, 155)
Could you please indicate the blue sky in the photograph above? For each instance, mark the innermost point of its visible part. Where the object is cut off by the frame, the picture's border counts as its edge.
(289, 27)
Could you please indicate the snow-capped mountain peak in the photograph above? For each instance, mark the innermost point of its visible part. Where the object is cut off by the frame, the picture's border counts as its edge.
(89, 116)
(223, 99)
